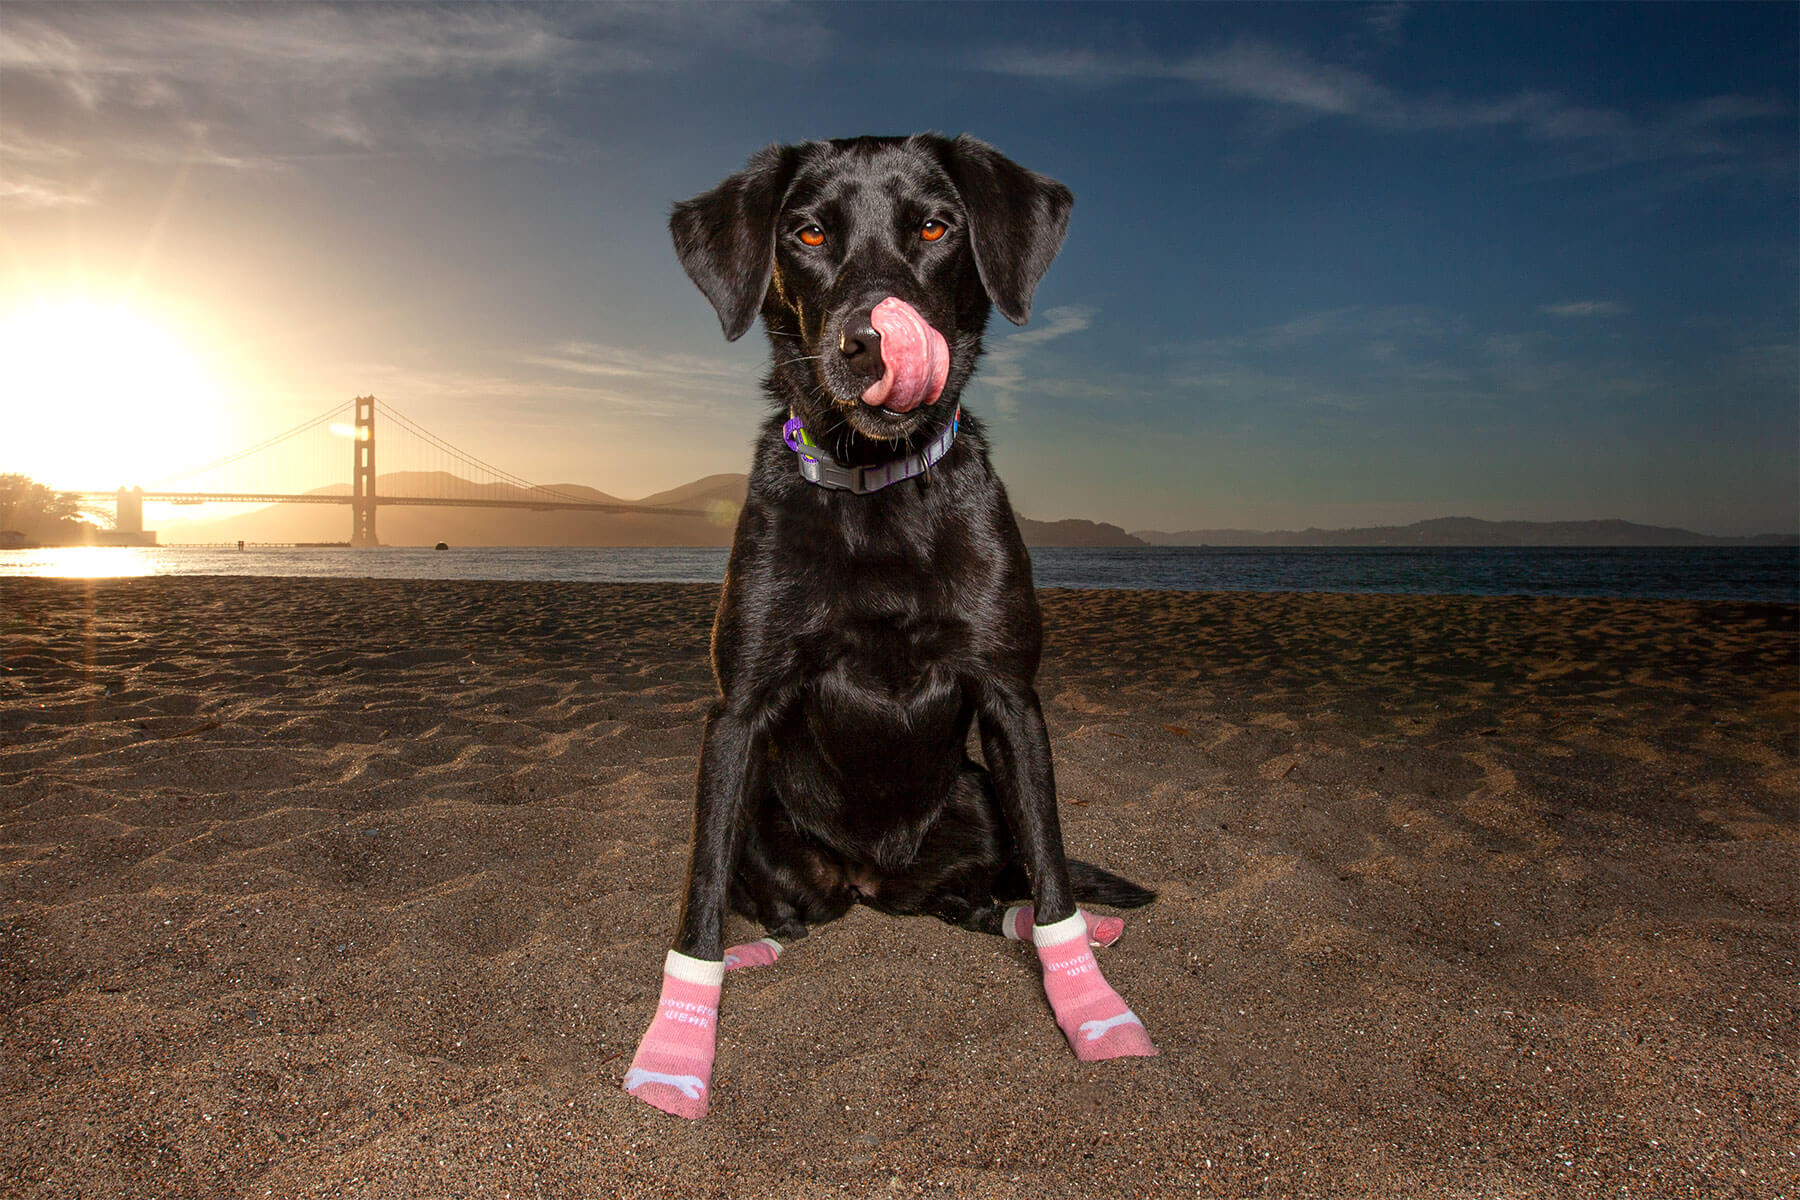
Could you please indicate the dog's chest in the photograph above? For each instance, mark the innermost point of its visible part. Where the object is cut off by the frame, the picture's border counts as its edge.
(888, 672)
(890, 658)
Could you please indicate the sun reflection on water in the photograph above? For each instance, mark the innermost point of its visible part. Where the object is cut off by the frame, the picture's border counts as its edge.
(78, 562)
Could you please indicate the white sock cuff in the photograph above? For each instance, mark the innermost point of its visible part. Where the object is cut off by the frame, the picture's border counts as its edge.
(772, 944)
(1009, 924)
(694, 970)
(1068, 929)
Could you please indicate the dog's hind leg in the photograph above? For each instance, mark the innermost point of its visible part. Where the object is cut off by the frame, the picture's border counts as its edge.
(1091, 883)
(786, 880)
(1094, 885)
(964, 913)
(962, 867)
(761, 953)
(1102, 931)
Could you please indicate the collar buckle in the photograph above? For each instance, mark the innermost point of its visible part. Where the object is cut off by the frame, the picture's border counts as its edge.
(819, 467)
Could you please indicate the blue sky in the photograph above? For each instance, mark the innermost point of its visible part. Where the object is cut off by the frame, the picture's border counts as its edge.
(1329, 264)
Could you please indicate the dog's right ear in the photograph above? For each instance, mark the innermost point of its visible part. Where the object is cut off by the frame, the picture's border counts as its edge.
(1017, 221)
(726, 237)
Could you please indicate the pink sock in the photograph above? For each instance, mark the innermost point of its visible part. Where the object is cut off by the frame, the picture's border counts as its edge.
(673, 1065)
(1092, 1016)
(1102, 931)
(760, 953)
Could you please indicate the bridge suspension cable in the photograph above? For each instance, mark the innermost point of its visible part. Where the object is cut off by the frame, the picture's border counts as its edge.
(519, 481)
(229, 459)
(425, 483)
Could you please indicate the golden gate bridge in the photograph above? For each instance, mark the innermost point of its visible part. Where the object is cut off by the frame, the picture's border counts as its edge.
(440, 474)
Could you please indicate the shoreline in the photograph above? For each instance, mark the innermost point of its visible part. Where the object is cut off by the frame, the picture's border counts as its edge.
(1730, 574)
(349, 887)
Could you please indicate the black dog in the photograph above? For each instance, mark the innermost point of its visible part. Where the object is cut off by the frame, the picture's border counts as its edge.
(879, 597)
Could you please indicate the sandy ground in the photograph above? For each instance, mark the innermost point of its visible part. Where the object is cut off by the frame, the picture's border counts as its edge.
(361, 889)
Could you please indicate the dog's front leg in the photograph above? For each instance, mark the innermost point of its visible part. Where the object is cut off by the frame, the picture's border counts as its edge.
(731, 776)
(1091, 1014)
(1016, 745)
(673, 1065)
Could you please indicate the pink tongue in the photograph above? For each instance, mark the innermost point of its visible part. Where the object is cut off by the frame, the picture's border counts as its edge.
(915, 359)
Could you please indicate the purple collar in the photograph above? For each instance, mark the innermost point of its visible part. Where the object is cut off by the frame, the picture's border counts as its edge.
(817, 466)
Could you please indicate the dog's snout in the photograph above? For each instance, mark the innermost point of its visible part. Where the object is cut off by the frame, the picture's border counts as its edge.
(860, 345)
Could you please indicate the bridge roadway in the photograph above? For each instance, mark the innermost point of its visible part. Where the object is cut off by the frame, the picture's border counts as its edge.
(422, 501)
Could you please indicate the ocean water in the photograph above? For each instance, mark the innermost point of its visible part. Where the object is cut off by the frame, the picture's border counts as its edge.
(1742, 573)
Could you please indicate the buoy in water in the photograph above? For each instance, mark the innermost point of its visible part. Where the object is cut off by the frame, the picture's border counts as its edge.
(443, 545)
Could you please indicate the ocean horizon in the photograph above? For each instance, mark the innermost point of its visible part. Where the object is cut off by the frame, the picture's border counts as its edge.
(1752, 574)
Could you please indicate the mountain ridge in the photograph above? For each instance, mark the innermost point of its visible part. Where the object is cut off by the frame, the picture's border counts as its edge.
(717, 499)
(1467, 531)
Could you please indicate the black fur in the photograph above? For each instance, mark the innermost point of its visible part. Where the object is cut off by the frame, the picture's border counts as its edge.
(860, 636)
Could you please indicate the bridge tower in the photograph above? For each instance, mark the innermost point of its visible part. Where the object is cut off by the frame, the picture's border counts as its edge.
(128, 511)
(362, 476)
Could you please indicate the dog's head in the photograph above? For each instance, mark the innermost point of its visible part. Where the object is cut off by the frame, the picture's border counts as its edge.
(874, 262)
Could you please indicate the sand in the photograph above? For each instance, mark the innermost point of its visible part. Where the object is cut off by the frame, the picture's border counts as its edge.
(361, 889)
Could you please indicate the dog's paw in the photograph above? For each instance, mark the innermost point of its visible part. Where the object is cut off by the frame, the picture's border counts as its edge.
(761, 953)
(680, 1095)
(1094, 1018)
(1119, 1036)
(672, 1069)
(1102, 931)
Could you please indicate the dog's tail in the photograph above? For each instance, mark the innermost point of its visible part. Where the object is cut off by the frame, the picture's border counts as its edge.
(1097, 885)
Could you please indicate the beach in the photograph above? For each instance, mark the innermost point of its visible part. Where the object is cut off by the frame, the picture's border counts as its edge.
(358, 888)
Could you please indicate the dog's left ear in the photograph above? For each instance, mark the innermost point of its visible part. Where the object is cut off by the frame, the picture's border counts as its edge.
(1017, 220)
(726, 237)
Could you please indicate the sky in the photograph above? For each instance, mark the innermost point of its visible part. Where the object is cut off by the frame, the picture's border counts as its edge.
(1329, 265)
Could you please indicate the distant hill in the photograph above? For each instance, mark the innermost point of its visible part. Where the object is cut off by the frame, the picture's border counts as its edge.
(1466, 531)
(717, 497)
(727, 487)
(1075, 533)
(442, 483)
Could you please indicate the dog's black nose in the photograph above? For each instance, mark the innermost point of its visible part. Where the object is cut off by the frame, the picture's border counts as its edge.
(861, 346)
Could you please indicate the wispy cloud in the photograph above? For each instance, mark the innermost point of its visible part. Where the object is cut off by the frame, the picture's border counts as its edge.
(1333, 327)
(270, 86)
(1246, 68)
(607, 388)
(264, 85)
(615, 362)
(1003, 366)
(1585, 308)
(1356, 370)
(1290, 86)
(21, 190)
(1383, 21)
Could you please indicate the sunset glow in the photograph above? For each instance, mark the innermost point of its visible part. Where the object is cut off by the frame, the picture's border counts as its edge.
(101, 394)
(1369, 264)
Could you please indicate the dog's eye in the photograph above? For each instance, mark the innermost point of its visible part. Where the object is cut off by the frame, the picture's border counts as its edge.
(812, 235)
(933, 229)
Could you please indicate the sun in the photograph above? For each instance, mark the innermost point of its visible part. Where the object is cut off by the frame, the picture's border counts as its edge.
(97, 394)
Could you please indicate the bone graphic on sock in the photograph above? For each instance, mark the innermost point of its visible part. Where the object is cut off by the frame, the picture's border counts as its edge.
(688, 1085)
(1097, 1022)
(1096, 1030)
(674, 1061)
